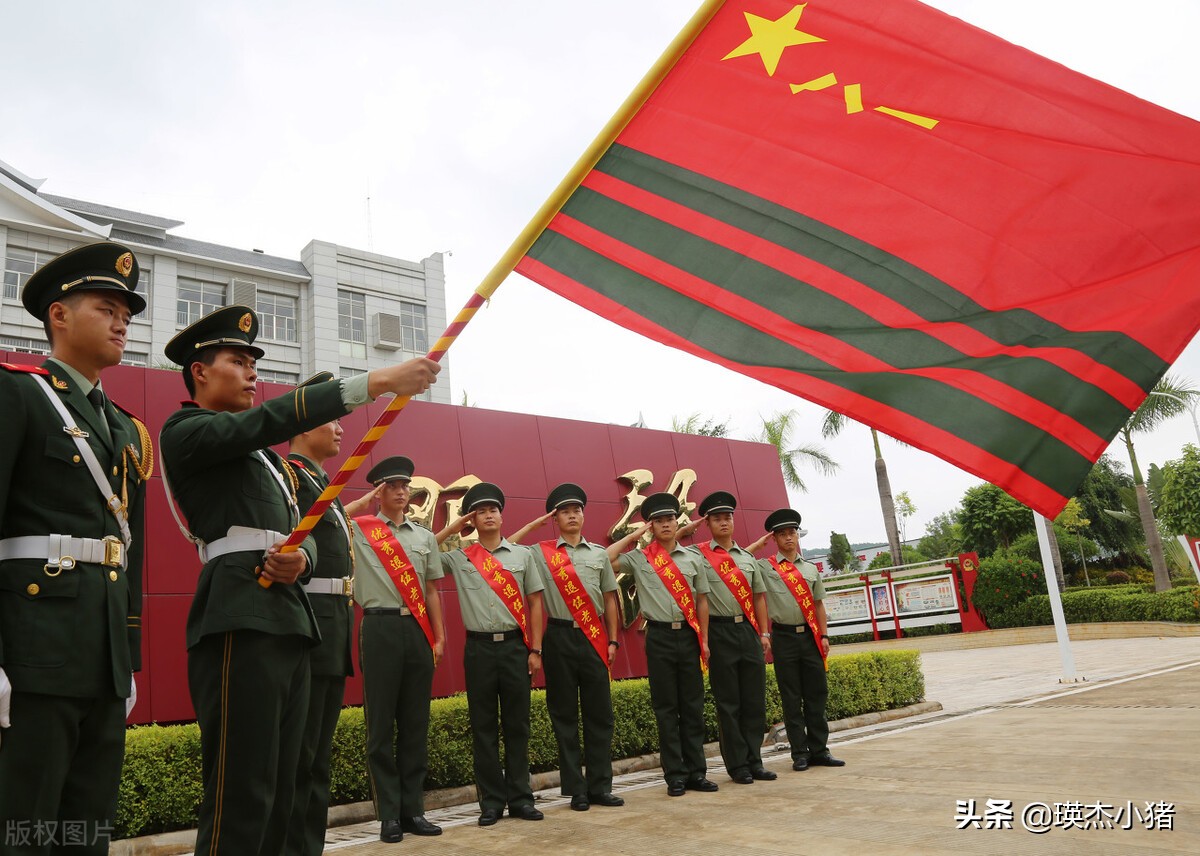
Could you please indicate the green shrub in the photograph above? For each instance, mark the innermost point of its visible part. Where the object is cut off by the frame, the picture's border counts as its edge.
(1102, 603)
(161, 781)
(1116, 578)
(1004, 582)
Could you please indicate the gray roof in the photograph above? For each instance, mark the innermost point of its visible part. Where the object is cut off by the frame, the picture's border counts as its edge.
(217, 252)
(93, 209)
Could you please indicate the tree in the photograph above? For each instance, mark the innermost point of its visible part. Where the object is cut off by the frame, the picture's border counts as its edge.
(692, 425)
(943, 536)
(840, 553)
(1179, 500)
(904, 510)
(777, 430)
(1156, 409)
(1102, 490)
(832, 425)
(1071, 518)
(991, 519)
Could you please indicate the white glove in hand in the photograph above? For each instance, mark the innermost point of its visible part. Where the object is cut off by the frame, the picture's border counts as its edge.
(132, 700)
(5, 699)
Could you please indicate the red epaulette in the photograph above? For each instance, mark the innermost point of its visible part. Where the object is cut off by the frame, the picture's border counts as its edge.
(294, 463)
(24, 367)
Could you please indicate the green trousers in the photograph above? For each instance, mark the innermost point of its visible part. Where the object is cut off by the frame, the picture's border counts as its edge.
(250, 691)
(60, 767)
(738, 679)
(498, 701)
(397, 666)
(310, 810)
(677, 696)
(576, 679)
(803, 691)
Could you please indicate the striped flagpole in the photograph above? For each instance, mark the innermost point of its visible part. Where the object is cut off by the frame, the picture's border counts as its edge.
(509, 260)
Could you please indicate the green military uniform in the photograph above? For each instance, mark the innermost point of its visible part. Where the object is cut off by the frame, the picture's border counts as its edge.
(397, 665)
(576, 678)
(496, 662)
(736, 671)
(672, 660)
(330, 663)
(70, 632)
(799, 668)
(248, 646)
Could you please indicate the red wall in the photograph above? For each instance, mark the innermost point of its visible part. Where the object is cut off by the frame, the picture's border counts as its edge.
(525, 455)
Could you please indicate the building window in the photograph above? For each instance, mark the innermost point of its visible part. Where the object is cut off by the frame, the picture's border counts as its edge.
(352, 324)
(412, 327)
(23, 346)
(195, 299)
(133, 358)
(277, 317)
(19, 265)
(273, 376)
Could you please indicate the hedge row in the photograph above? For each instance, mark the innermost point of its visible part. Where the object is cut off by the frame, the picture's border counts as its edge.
(161, 787)
(1108, 603)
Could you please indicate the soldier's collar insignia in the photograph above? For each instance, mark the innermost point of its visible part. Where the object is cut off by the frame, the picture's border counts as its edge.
(59, 384)
(246, 322)
(125, 264)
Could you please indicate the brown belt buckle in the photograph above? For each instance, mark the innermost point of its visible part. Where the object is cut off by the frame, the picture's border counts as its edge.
(497, 637)
(676, 625)
(738, 619)
(348, 586)
(112, 552)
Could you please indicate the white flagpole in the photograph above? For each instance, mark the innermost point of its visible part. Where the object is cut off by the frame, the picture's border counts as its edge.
(1056, 610)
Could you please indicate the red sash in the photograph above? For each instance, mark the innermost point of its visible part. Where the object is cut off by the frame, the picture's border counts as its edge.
(670, 575)
(566, 578)
(502, 582)
(798, 586)
(395, 561)
(730, 574)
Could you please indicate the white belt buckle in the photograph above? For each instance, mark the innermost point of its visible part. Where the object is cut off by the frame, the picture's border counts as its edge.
(799, 628)
(676, 625)
(738, 619)
(497, 637)
(404, 610)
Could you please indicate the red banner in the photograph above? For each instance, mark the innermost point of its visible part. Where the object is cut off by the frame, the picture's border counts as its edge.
(502, 582)
(798, 586)
(566, 579)
(395, 561)
(734, 580)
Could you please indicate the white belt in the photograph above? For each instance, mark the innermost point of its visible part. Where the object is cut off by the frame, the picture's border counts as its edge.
(240, 539)
(330, 585)
(65, 551)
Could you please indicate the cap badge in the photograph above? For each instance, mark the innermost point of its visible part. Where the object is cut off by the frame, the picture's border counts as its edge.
(246, 322)
(125, 264)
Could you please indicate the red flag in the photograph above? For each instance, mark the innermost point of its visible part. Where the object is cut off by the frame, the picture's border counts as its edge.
(905, 219)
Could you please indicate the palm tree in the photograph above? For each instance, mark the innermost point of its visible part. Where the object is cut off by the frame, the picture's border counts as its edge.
(777, 430)
(831, 427)
(1155, 410)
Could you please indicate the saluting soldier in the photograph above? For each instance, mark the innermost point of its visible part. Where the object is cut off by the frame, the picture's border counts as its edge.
(329, 591)
(402, 639)
(672, 593)
(580, 590)
(799, 641)
(250, 628)
(73, 468)
(500, 597)
(738, 640)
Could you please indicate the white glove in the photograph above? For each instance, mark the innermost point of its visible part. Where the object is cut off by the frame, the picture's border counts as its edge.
(5, 699)
(132, 700)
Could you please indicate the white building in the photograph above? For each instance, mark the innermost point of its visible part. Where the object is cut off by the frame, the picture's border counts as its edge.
(334, 308)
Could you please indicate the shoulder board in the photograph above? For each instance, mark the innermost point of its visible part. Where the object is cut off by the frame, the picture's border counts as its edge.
(22, 367)
(297, 464)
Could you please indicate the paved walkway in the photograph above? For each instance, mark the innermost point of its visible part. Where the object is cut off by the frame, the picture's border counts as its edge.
(1009, 731)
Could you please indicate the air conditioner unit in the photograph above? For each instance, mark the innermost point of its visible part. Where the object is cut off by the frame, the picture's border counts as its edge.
(243, 292)
(388, 335)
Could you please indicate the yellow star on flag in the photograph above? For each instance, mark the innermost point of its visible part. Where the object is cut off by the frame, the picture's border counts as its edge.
(770, 38)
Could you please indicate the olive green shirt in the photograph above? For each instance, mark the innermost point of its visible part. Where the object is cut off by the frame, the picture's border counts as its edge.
(781, 603)
(654, 601)
(721, 601)
(373, 587)
(594, 570)
(482, 609)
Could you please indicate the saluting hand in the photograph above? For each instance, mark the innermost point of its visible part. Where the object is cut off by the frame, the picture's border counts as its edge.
(363, 504)
(284, 568)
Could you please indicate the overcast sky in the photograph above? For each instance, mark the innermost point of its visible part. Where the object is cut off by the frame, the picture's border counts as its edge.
(267, 124)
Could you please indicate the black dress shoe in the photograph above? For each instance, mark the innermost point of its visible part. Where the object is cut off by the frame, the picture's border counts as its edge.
(825, 760)
(489, 816)
(606, 799)
(579, 803)
(762, 774)
(675, 789)
(702, 784)
(525, 812)
(390, 832)
(419, 826)
(742, 777)
(800, 764)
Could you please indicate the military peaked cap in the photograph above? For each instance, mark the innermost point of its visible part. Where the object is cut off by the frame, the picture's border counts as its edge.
(95, 267)
(395, 468)
(565, 494)
(483, 493)
(783, 518)
(659, 505)
(230, 327)
(717, 501)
